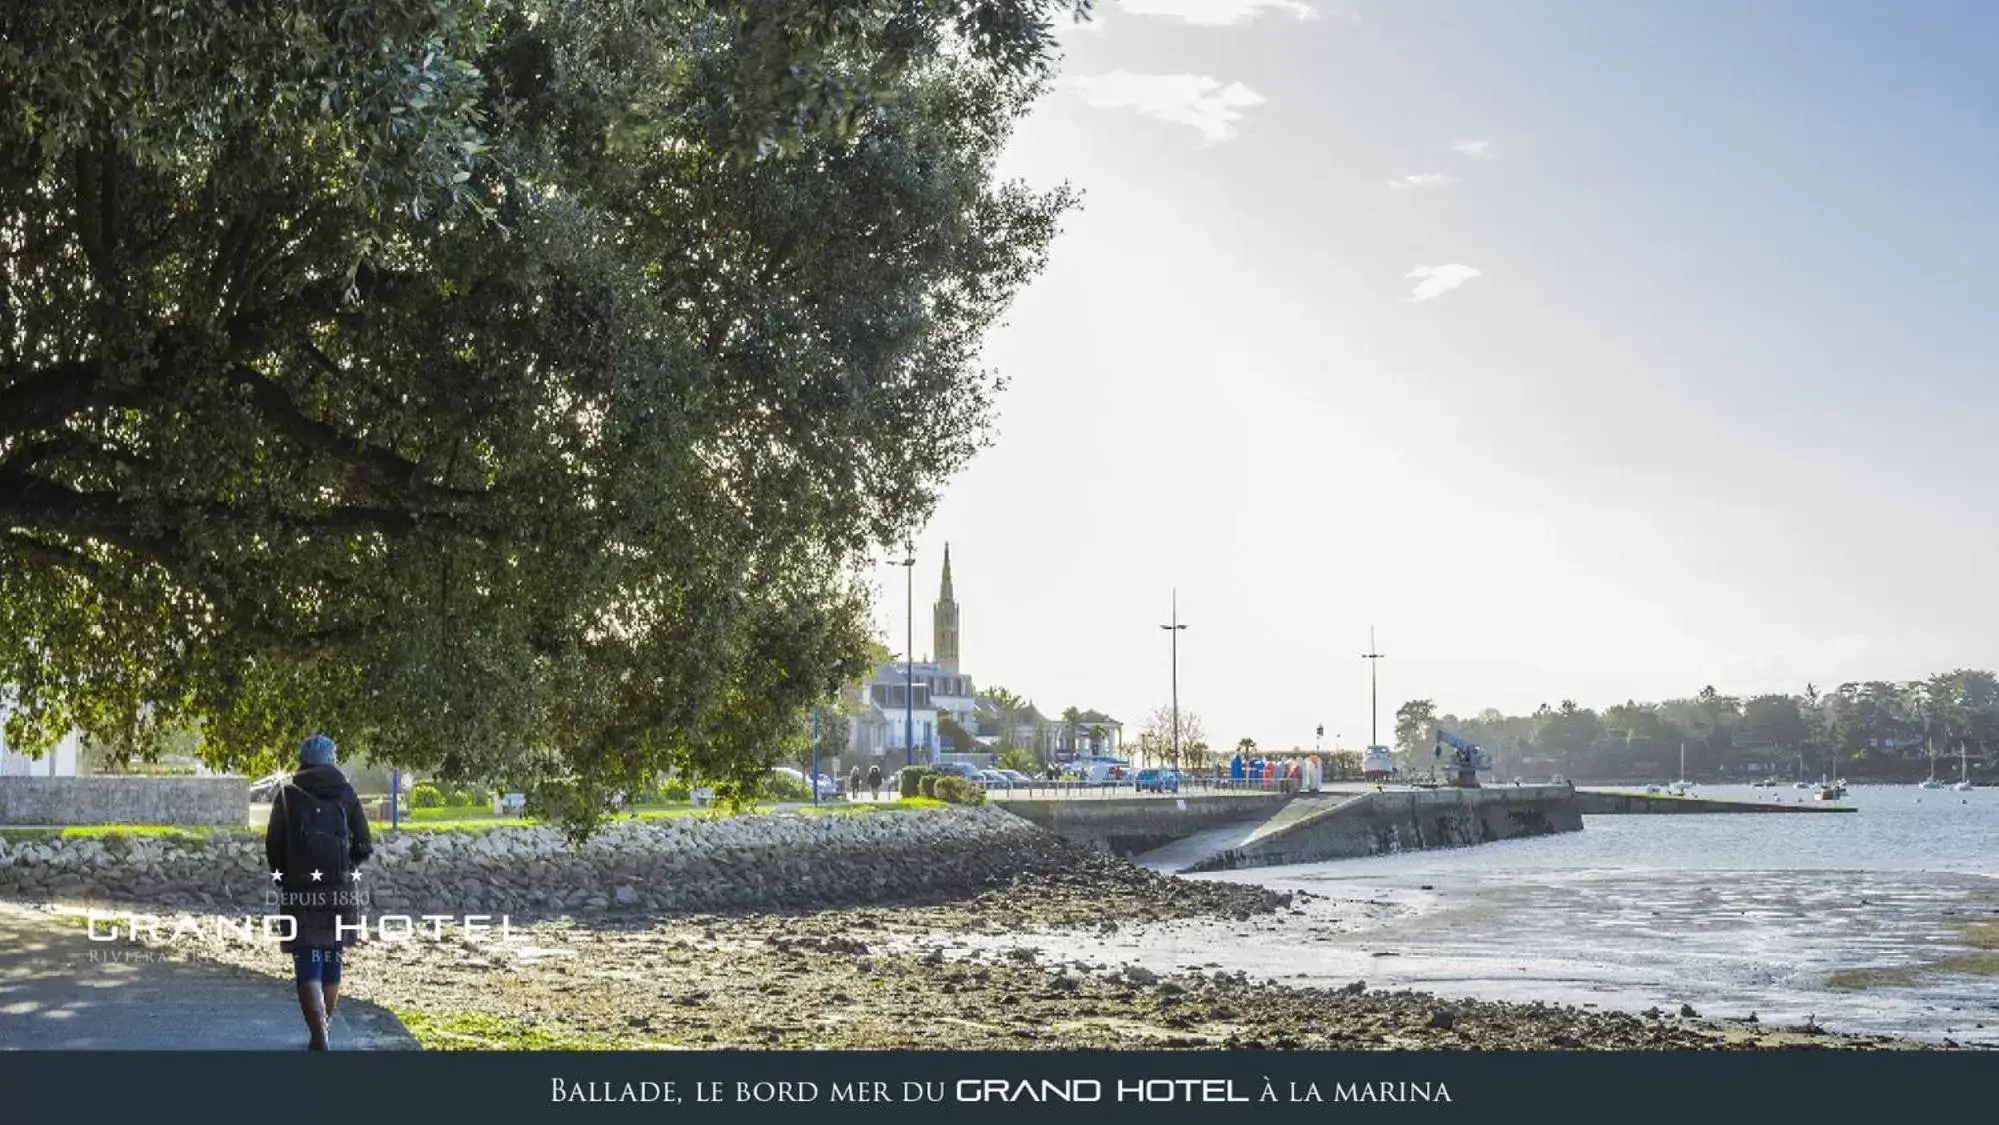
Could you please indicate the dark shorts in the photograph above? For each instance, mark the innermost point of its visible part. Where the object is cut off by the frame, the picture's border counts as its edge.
(317, 965)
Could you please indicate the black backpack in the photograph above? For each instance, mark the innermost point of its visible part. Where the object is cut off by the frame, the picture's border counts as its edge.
(318, 839)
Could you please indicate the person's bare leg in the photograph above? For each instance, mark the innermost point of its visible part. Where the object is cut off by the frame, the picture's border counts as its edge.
(332, 994)
(312, 1005)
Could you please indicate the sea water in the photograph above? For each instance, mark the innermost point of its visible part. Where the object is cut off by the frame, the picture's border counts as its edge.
(1732, 913)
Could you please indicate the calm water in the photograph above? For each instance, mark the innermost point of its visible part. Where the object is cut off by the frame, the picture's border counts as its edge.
(1732, 913)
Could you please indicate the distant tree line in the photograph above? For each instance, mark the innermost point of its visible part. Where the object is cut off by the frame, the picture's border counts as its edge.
(1875, 729)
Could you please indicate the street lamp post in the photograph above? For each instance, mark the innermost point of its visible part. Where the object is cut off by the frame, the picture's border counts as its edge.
(909, 657)
(1173, 629)
(1374, 692)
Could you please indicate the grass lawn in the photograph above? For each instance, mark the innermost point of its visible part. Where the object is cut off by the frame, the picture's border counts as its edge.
(431, 820)
(463, 820)
(106, 831)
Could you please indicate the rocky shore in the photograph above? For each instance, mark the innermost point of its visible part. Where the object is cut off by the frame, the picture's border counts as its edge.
(907, 977)
(883, 945)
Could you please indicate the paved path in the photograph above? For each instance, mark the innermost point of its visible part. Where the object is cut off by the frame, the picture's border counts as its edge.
(61, 991)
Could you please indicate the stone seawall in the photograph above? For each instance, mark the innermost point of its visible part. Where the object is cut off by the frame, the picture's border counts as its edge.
(768, 862)
(182, 801)
(1400, 820)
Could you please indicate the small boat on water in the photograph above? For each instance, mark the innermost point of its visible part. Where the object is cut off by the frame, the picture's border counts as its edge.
(1932, 783)
(1680, 788)
(1963, 770)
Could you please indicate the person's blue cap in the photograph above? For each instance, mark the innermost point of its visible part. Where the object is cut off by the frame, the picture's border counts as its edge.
(317, 751)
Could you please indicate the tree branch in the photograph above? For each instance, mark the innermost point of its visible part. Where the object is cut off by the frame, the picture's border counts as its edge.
(39, 399)
(387, 470)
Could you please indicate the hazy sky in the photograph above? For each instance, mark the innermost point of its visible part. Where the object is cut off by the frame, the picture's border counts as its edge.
(1593, 349)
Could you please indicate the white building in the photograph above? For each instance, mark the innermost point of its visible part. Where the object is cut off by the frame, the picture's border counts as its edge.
(899, 707)
(62, 761)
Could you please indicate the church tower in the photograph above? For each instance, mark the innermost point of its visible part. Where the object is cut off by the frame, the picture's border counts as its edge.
(944, 620)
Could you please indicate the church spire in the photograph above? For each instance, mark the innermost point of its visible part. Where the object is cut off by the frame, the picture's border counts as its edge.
(944, 619)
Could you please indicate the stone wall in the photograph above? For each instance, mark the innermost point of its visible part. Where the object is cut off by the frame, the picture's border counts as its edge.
(187, 801)
(767, 862)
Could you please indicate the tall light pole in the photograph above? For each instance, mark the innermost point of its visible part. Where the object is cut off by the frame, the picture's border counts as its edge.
(909, 656)
(1173, 629)
(1374, 692)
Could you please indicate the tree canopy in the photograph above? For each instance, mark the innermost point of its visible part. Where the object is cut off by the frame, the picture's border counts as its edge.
(1873, 729)
(510, 388)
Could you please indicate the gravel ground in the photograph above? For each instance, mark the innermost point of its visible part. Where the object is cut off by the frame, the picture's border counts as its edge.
(902, 977)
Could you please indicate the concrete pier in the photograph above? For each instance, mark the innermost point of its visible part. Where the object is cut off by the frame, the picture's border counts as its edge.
(1598, 802)
(1224, 831)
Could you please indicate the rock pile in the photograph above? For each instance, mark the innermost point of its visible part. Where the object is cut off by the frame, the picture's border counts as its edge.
(766, 862)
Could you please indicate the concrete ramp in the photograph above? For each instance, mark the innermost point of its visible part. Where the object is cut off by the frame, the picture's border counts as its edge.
(1191, 852)
(1130, 825)
(1334, 826)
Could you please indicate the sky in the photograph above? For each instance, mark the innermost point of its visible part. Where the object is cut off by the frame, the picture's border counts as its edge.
(1581, 349)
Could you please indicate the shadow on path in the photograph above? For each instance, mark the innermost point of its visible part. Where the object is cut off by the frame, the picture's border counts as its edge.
(59, 990)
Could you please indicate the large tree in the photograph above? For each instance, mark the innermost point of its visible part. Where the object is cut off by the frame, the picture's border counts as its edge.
(506, 386)
(1415, 730)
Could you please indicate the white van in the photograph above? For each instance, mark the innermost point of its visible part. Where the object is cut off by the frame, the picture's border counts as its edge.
(1098, 769)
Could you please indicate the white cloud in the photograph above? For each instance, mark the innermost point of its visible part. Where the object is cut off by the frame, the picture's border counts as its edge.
(1214, 12)
(1476, 149)
(1195, 100)
(1435, 281)
(1419, 181)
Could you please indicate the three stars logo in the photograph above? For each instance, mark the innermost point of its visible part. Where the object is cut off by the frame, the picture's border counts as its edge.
(353, 876)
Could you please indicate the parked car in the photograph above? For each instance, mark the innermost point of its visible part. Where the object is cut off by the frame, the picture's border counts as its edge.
(960, 769)
(995, 779)
(1157, 781)
(1017, 777)
(825, 786)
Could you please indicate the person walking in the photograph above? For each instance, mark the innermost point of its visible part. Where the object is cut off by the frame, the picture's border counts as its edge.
(854, 783)
(315, 843)
(875, 781)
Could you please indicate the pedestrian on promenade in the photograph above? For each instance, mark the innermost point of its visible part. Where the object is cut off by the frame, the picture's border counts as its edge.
(854, 783)
(315, 844)
(875, 781)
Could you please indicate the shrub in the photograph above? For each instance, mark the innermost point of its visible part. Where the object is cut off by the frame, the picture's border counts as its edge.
(676, 791)
(958, 791)
(784, 787)
(926, 786)
(426, 796)
(460, 799)
(910, 781)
